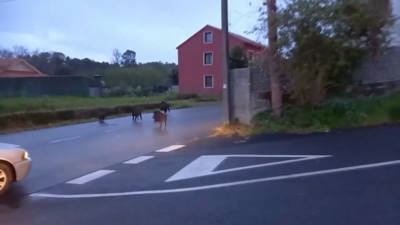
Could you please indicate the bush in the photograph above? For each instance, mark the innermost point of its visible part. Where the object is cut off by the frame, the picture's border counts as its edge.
(335, 114)
(394, 113)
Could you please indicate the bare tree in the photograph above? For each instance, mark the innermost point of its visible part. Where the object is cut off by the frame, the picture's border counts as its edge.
(274, 58)
(35, 52)
(20, 51)
(117, 57)
(6, 53)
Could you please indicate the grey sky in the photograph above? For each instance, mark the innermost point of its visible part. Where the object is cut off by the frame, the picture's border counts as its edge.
(89, 28)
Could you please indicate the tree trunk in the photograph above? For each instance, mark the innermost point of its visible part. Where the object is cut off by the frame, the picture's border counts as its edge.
(274, 59)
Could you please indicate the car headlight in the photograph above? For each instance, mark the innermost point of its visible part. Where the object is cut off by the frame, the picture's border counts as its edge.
(25, 155)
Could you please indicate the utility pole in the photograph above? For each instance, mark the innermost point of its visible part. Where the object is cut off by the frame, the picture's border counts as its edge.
(274, 59)
(227, 94)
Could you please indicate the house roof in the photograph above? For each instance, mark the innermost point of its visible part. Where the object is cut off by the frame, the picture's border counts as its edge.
(5, 64)
(12, 74)
(239, 37)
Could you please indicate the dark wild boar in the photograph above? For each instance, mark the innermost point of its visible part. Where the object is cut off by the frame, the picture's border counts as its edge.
(137, 112)
(160, 118)
(164, 106)
(102, 113)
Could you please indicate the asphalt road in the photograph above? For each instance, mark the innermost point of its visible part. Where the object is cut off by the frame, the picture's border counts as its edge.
(63, 153)
(349, 177)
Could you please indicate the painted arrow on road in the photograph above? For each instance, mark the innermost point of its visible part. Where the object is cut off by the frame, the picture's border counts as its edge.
(205, 165)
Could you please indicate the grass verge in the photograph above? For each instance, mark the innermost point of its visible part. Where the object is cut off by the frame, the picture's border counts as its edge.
(20, 114)
(334, 114)
(55, 103)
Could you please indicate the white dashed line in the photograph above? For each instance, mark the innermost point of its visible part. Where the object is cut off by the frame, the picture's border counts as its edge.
(138, 160)
(66, 139)
(170, 148)
(109, 131)
(90, 177)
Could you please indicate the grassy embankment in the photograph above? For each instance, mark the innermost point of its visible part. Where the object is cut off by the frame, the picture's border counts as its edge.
(334, 114)
(24, 113)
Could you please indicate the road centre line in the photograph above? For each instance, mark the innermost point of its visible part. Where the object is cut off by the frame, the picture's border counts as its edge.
(138, 160)
(230, 184)
(89, 177)
(171, 148)
(65, 139)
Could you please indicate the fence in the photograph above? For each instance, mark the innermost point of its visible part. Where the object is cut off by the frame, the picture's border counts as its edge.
(52, 85)
(382, 72)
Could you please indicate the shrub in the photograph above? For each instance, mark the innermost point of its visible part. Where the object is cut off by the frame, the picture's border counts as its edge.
(394, 113)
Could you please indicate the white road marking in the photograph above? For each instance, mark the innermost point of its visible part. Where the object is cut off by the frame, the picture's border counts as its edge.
(230, 184)
(109, 131)
(66, 139)
(138, 160)
(170, 148)
(90, 177)
(204, 165)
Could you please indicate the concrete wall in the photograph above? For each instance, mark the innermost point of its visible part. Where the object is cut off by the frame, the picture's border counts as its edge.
(246, 104)
(175, 89)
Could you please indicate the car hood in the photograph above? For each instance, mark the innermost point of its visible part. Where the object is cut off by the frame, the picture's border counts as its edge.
(6, 146)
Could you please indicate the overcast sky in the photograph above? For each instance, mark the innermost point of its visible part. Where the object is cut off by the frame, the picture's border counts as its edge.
(92, 28)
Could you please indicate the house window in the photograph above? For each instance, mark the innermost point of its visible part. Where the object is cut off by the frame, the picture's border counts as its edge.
(250, 55)
(208, 37)
(208, 58)
(208, 81)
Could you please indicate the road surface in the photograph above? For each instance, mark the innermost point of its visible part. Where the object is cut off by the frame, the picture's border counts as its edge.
(349, 177)
(63, 153)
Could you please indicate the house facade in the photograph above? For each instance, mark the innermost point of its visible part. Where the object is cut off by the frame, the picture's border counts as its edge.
(200, 60)
(18, 68)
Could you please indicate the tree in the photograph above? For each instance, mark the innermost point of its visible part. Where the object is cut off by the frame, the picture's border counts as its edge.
(6, 53)
(174, 76)
(128, 58)
(116, 59)
(321, 42)
(20, 51)
(237, 58)
(325, 40)
(147, 75)
(274, 58)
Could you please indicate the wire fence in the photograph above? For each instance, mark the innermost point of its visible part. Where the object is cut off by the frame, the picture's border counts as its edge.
(384, 68)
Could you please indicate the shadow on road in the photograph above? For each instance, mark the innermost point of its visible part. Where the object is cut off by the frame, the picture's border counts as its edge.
(160, 131)
(12, 199)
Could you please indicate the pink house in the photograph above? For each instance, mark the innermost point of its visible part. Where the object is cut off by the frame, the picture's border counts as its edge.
(200, 60)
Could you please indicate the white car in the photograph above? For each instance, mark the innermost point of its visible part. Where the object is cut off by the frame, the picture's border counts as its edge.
(15, 165)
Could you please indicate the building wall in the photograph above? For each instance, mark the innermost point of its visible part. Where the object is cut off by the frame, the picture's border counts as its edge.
(20, 70)
(190, 61)
(21, 67)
